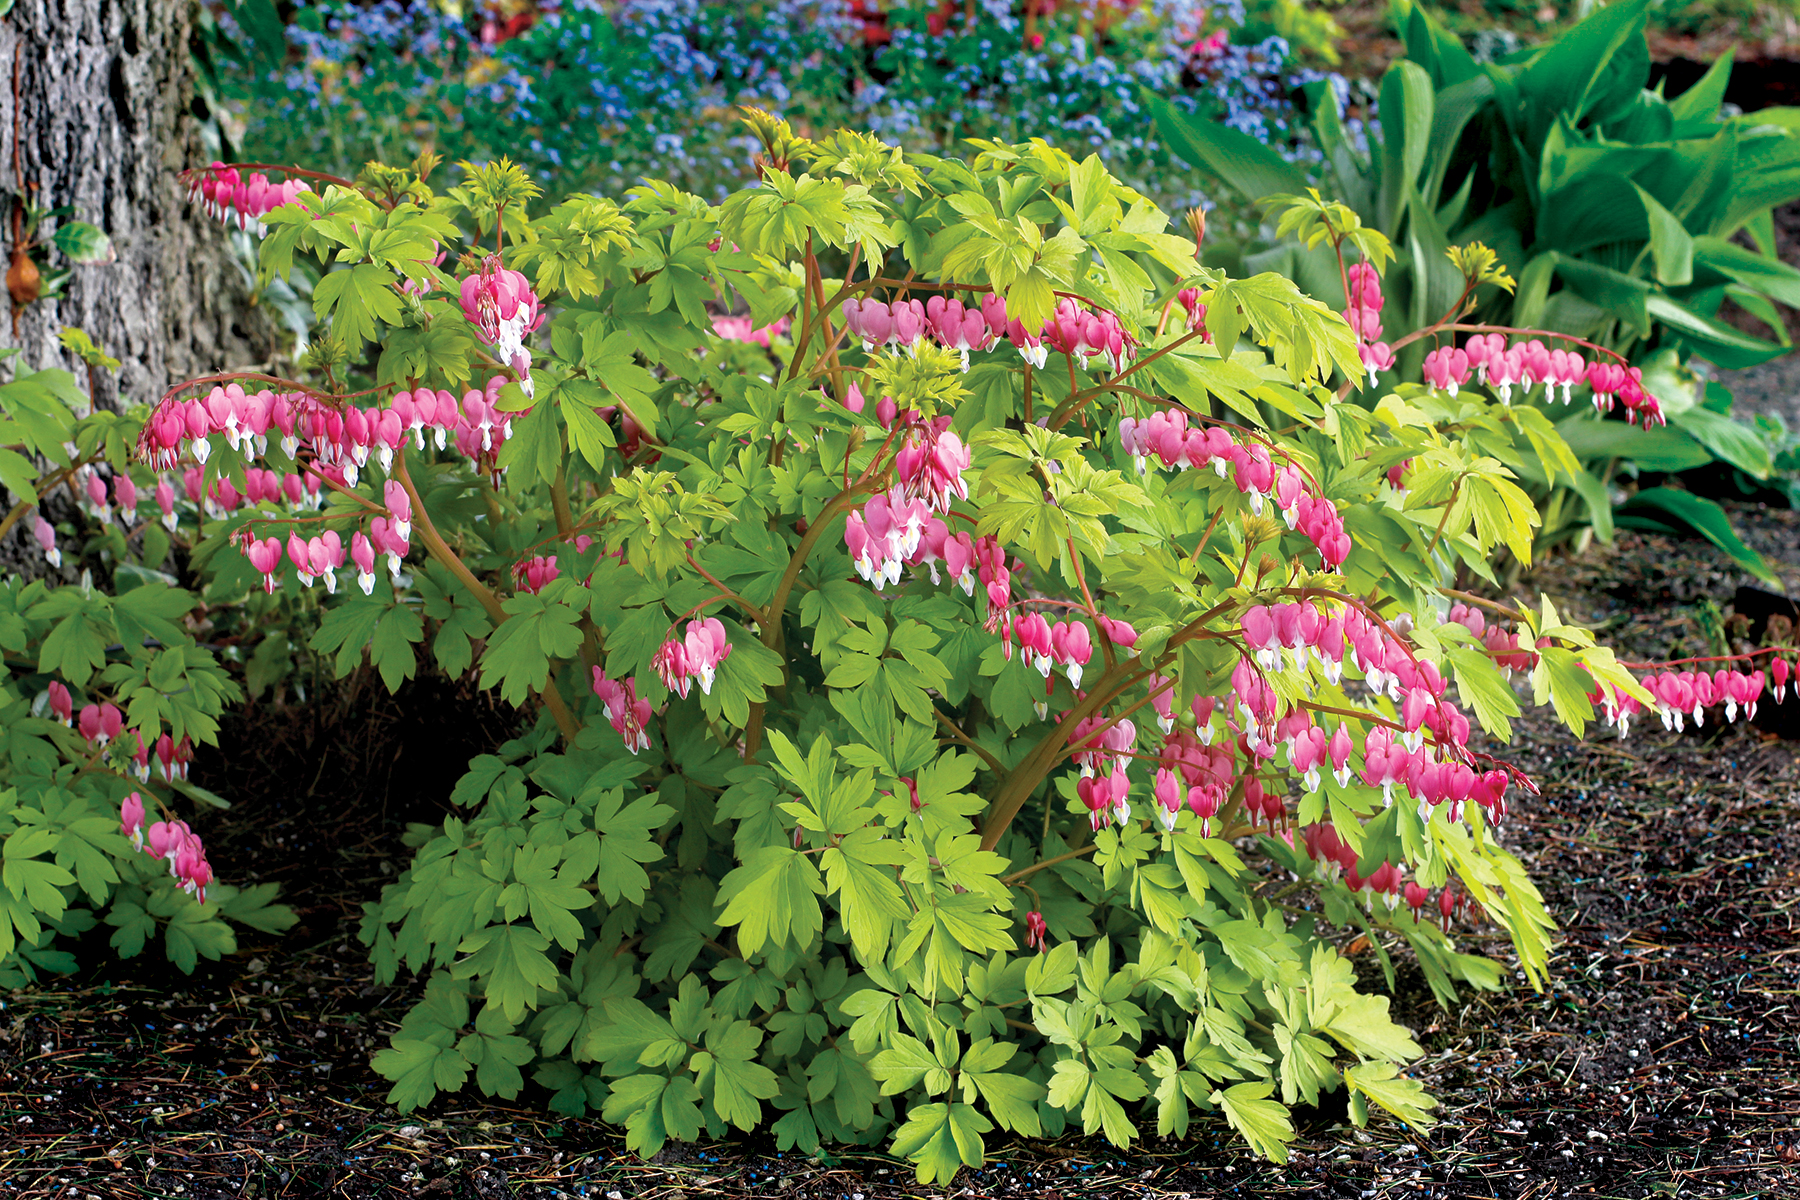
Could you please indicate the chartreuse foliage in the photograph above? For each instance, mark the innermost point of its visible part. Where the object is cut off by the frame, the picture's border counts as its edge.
(1622, 215)
(805, 902)
(65, 865)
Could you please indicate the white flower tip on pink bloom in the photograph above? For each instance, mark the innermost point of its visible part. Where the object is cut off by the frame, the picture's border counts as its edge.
(165, 839)
(265, 556)
(362, 553)
(671, 666)
(501, 306)
(131, 819)
(61, 704)
(46, 540)
(705, 647)
(100, 723)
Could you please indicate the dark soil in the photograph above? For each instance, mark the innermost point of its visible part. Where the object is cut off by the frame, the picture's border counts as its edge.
(1663, 1060)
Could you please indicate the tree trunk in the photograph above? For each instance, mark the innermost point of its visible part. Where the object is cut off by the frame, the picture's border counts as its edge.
(96, 113)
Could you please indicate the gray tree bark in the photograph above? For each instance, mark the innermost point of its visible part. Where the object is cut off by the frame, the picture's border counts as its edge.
(96, 112)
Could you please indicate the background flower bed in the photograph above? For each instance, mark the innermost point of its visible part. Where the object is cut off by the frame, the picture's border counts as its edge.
(1666, 854)
(651, 88)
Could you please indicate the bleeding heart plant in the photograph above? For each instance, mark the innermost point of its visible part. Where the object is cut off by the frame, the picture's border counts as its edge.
(1056, 712)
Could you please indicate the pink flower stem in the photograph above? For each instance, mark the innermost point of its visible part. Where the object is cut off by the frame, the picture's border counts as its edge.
(296, 172)
(696, 611)
(1709, 658)
(1538, 333)
(1491, 605)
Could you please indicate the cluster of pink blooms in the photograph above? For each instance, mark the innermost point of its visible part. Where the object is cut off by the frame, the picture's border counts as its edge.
(341, 440)
(948, 322)
(929, 462)
(697, 656)
(90, 491)
(1167, 437)
(629, 715)
(261, 486)
(1326, 847)
(888, 533)
(103, 723)
(1192, 771)
(1105, 797)
(226, 190)
(1489, 359)
(1501, 644)
(174, 758)
(533, 575)
(1308, 632)
(505, 311)
(171, 841)
(1388, 761)
(1364, 315)
(1102, 745)
(740, 329)
(1682, 696)
(320, 556)
(902, 527)
(1302, 634)
(1047, 645)
(218, 500)
(1189, 299)
(124, 494)
(1611, 380)
(1302, 628)
(336, 443)
(1311, 752)
(1073, 330)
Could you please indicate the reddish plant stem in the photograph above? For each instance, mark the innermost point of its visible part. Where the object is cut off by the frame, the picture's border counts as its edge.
(756, 614)
(1078, 400)
(771, 632)
(46, 483)
(956, 732)
(440, 550)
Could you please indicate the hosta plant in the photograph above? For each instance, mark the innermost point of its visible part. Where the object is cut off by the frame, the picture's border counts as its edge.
(1627, 218)
(981, 673)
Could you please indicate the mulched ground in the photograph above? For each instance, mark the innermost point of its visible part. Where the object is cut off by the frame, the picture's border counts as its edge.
(1663, 1060)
